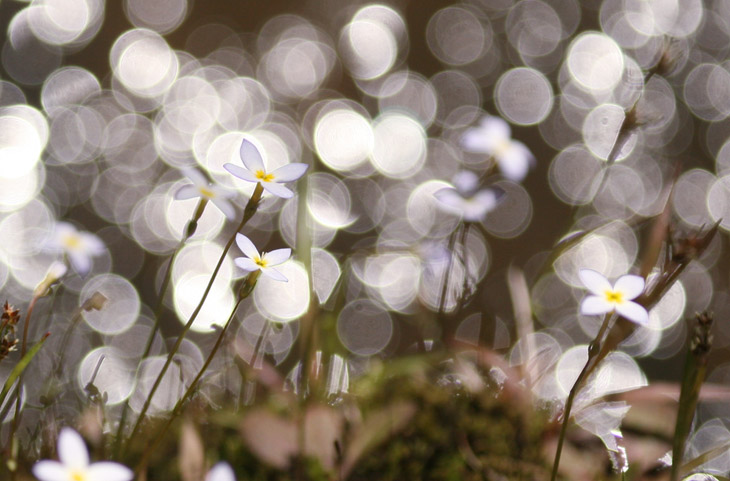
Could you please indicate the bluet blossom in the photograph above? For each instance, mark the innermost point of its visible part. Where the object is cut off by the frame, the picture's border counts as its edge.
(466, 199)
(255, 171)
(607, 298)
(74, 463)
(202, 188)
(493, 137)
(261, 261)
(78, 246)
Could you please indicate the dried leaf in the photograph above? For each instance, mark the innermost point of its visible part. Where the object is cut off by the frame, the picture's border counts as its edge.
(191, 458)
(271, 438)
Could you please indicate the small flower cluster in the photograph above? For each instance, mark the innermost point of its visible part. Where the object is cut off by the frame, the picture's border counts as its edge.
(8, 320)
(253, 171)
(492, 137)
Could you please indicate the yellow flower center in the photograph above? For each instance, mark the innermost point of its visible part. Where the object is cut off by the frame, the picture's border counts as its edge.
(502, 147)
(614, 297)
(205, 192)
(263, 176)
(71, 242)
(260, 262)
(77, 475)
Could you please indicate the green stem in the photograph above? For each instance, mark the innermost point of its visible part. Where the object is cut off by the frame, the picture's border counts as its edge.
(152, 447)
(23, 348)
(189, 231)
(593, 350)
(248, 212)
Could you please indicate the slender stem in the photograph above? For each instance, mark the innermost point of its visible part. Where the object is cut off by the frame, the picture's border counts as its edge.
(248, 212)
(445, 286)
(23, 349)
(593, 350)
(152, 447)
(189, 231)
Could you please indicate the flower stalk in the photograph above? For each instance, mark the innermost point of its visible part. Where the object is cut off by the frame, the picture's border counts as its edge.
(249, 211)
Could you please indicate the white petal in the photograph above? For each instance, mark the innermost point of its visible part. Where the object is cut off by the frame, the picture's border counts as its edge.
(487, 198)
(515, 162)
(465, 181)
(630, 286)
(246, 246)
(50, 471)
(220, 191)
(71, 449)
(474, 211)
(240, 172)
(188, 191)
(289, 172)
(633, 312)
(109, 471)
(495, 127)
(278, 190)
(278, 256)
(274, 274)
(197, 178)
(246, 264)
(80, 261)
(225, 207)
(221, 472)
(594, 305)
(251, 157)
(92, 244)
(450, 199)
(594, 281)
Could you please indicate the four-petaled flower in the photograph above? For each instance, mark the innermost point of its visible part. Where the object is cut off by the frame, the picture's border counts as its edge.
(75, 465)
(78, 246)
(201, 188)
(493, 137)
(263, 262)
(222, 471)
(466, 199)
(607, 298)
(254, 171)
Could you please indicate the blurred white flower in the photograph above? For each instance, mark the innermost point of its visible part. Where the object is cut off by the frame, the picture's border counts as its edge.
(78, 246)
(254, 171)
(201, 188)
(221, 472)
(493, 137)
(264, 261)
(466, 199)
(74, 463)
(607, 298)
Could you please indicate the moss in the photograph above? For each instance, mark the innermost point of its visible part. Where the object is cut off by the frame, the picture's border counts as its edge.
(455, 434)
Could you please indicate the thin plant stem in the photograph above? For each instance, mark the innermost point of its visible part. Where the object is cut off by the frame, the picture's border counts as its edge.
(157, 312)
(152, 447)
(593, 350)
(23, 349)
(248, 212)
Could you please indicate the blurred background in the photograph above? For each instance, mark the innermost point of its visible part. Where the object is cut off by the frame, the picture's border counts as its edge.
(102, 104)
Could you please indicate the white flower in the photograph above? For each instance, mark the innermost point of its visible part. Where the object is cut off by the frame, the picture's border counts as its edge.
(607, 298)
(201, 188)
(221, 472)
(493, 137)
(254, 171)
(465, 199)
(78, 246)
(75, 466)
(264, 261)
